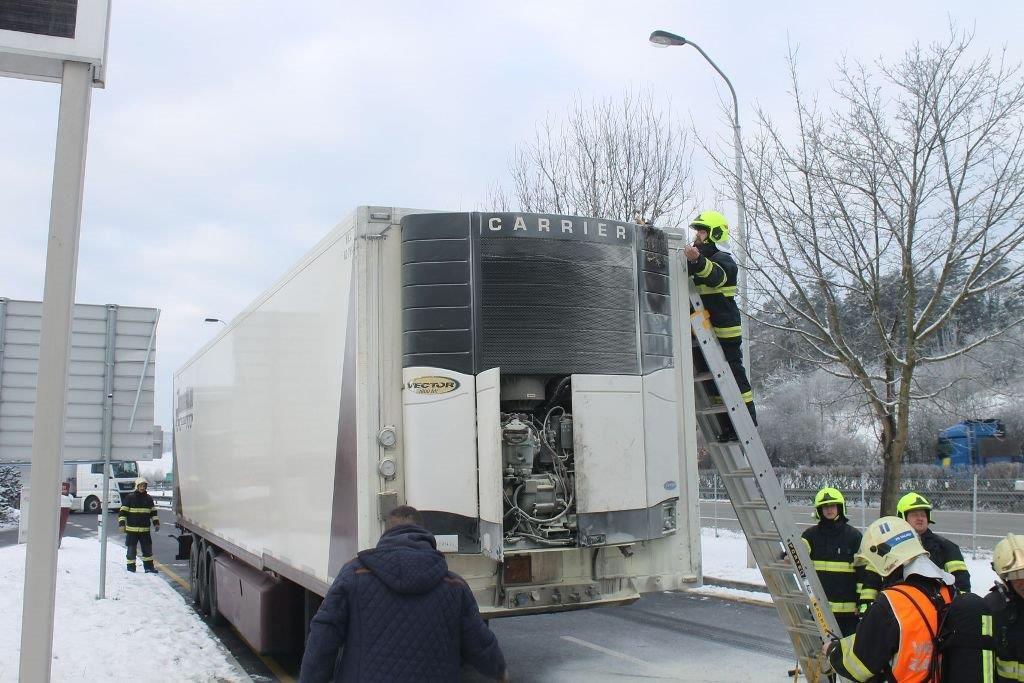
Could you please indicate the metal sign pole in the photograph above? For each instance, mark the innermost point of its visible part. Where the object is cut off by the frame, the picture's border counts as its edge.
(54, 344)
(106, 440)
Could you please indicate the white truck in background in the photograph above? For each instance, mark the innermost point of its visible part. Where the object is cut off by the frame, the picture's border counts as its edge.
(85, 484)
(521, 379)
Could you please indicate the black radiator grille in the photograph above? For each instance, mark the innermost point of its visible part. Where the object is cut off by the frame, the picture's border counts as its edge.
(655, 300)
(437, 295)
(553, 306)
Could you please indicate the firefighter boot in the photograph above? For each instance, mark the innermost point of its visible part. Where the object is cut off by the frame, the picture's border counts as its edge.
(726, 431)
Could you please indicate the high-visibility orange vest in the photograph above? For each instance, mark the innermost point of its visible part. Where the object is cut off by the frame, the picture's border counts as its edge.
(914, 657)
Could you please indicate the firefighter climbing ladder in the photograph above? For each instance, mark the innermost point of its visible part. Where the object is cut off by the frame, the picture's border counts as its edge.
(759, 501)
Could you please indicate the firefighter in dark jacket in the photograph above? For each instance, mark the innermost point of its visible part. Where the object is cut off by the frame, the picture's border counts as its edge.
(920, 630)
(137, 511)
(832, 544)
(917, 511)
(397, 614)
(714, 271)
(1006, 601)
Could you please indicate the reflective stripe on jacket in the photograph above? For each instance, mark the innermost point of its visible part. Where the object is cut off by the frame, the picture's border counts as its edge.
(832, 545)
(137, 511)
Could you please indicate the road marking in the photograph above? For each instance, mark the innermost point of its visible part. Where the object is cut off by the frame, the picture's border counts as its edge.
(620, 655)
(167, 570)
(276, 669)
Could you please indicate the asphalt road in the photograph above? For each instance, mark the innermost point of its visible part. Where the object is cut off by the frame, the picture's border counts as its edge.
(663, 636)
(954, 524)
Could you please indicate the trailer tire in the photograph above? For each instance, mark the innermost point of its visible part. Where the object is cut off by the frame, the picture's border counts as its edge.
(92, 505)
(216, 618)
(204, 586)
(195, 579)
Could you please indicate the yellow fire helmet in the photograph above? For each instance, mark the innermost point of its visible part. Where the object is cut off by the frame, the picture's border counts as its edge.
(888, 544)
(829, 496)
(913, 501)
(716, 225)
(1008, 558)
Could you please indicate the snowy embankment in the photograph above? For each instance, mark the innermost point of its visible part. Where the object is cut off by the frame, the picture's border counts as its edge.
(142, 631)
(12, 523)
(725, 558)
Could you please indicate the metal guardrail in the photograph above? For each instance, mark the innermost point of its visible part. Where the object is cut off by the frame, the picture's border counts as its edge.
(985, 500)
(964, 493)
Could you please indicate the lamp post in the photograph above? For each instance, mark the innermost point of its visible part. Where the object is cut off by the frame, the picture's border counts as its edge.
(215, 320)
(666, 39)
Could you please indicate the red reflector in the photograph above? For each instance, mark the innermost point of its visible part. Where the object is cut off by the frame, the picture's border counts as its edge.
(518, 569)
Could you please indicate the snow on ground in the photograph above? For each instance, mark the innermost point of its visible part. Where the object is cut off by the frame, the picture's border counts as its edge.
(736, 594)
(725, 557)
(142, 631)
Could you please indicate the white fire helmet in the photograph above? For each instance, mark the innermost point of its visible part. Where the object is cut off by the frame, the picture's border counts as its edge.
(1008, 558)
(888, 544)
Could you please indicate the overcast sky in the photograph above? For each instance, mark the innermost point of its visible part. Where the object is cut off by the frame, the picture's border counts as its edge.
(233, 134)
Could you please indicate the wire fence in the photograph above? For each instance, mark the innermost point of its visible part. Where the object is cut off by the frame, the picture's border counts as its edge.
(973, 511)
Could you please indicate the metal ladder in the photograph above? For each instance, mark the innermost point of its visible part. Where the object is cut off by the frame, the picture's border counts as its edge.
(759, 501)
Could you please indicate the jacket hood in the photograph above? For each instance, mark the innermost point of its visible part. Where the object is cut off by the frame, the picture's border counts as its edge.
(406, 560)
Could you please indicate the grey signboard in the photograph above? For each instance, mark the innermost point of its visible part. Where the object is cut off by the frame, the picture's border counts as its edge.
(112, 347)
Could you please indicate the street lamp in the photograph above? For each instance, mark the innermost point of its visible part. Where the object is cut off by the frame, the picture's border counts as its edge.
(666, 39)
(215, 320)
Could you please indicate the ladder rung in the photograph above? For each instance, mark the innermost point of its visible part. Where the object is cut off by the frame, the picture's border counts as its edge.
(778, 567)
(804, 629)
(713, 410)
(729, 446)
(767, 536)
(742, 473)
(705, 376)
(752, 505)
(793, 598)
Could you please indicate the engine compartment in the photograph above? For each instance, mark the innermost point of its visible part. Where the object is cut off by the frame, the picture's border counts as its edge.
(538, 475)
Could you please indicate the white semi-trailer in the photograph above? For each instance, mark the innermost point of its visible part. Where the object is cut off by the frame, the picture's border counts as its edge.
(520, 379)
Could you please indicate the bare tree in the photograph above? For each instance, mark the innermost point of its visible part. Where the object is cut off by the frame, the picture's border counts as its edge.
(886, 218)
(621, 159)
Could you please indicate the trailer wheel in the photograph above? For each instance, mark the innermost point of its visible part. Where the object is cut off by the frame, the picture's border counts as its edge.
(216, 618)
(204, 585)
(92, 505)
(195, 575)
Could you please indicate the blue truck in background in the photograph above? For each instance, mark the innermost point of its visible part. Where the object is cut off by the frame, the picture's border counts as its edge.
(976, 443)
